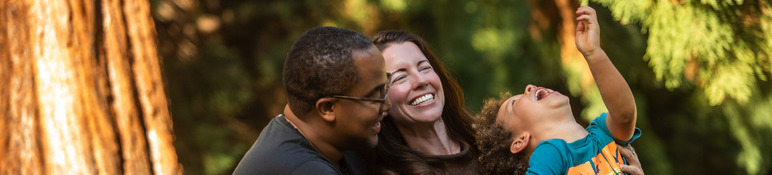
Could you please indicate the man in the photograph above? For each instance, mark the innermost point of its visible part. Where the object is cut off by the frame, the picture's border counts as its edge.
(337, 93)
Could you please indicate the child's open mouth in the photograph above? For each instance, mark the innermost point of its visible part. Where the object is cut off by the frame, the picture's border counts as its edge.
(543, 93)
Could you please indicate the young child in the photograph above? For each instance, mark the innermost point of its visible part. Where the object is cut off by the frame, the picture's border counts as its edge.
(536, 133)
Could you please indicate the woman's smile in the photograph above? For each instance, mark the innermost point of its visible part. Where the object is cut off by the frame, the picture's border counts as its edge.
(423, 100)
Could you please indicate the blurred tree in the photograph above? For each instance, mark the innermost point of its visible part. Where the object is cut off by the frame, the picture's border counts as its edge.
(81, 90)
(663, 147)
(705, 43)
(720, 50)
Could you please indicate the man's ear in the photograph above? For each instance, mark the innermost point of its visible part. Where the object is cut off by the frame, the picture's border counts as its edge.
(325, 108)
(520, 143)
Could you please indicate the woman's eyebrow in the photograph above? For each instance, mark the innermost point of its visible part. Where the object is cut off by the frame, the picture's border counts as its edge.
(398, 70)
(422, 61)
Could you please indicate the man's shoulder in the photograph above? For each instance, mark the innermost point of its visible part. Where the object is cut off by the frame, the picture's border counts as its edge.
(286, 157)
(286, 164)
(314, 166)
(281, 150)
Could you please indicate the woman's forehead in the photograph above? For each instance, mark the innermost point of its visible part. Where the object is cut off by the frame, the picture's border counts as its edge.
(395, 65)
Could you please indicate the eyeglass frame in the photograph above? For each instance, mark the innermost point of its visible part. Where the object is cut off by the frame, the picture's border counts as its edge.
(386, 87)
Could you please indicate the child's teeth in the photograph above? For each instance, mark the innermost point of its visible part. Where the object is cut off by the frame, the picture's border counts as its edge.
(541, 93)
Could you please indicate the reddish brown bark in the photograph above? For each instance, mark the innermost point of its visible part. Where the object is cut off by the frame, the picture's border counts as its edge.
(81, 90)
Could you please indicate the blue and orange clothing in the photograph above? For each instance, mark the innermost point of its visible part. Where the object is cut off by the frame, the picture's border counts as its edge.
(596, 153)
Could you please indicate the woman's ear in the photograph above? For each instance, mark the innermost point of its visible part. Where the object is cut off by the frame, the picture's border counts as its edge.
(325, 108)
(520, 143)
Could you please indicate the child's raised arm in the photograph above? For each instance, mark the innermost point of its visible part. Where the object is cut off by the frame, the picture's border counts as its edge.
(613, 88)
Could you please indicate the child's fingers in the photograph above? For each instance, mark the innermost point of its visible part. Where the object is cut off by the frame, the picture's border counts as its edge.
(585, 10)
(584, 18)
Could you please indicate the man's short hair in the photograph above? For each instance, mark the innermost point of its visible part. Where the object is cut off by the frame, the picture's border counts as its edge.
(320, 64)
(493, 141)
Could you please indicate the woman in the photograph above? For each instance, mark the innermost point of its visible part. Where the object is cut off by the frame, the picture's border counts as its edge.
(429, 129)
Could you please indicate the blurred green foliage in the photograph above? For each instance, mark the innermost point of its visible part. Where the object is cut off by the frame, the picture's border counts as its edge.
(699, 69)
(721, 48)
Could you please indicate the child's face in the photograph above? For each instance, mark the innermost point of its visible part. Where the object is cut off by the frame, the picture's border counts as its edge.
(535, 107)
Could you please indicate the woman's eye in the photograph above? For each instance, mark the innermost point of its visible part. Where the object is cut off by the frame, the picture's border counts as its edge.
(426, 68)
(398, 78)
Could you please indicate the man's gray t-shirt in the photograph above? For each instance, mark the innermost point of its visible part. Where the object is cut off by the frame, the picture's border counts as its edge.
(282, 149)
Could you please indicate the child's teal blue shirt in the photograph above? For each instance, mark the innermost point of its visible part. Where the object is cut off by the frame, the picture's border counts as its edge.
(597, 153)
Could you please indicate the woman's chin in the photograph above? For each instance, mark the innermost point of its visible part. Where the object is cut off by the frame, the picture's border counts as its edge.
(417, 113)
(427, 114)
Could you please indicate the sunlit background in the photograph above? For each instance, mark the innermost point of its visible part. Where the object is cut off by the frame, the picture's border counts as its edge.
(699, 69)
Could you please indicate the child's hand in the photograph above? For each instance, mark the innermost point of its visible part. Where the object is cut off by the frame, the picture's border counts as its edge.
(587, 31)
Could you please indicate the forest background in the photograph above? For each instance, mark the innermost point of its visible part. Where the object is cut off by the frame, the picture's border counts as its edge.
(185, 86)
(699, 69)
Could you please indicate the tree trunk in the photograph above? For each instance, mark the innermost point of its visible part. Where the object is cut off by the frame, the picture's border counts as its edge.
(81, 89)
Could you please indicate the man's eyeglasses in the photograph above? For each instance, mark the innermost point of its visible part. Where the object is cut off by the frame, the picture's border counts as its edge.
(382, 99)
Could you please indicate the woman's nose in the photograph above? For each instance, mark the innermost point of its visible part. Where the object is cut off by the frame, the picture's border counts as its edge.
(419, 81)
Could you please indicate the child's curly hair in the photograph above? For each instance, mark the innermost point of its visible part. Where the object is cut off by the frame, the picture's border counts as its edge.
(493, 141)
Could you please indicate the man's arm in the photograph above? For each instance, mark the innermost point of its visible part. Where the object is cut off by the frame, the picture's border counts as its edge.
(613, 88)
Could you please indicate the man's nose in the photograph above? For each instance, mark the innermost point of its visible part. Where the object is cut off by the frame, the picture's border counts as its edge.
(386, 106)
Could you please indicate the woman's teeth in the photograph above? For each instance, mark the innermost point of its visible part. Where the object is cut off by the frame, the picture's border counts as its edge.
(422, 99)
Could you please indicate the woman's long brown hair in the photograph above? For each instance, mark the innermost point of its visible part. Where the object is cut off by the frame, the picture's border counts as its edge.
(393, 153)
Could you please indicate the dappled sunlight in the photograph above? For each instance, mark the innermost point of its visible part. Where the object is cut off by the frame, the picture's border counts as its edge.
(700, 71)
(92, 86)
